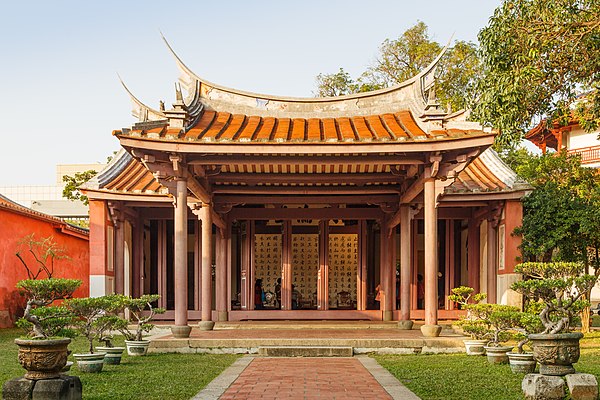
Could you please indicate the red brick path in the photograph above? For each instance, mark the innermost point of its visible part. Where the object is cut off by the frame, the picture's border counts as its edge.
(305, 378)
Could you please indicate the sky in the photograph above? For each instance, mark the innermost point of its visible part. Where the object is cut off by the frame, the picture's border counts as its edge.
(60, 96)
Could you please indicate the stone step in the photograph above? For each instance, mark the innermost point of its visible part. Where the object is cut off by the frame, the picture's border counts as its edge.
(305, 351)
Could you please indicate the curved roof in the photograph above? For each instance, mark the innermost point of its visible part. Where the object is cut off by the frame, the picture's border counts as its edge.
(214, 113)
(410, 94)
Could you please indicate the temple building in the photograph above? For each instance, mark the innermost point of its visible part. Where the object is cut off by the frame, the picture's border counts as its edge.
(364, 206)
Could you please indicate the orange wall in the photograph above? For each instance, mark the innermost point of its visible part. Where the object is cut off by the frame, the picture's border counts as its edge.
(15, 226)
(513, 217)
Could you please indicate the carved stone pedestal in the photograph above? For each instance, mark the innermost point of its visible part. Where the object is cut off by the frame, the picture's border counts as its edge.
(65, 387)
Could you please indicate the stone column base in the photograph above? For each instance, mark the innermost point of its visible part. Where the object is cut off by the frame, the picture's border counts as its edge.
(181, 331)
(206, 325)
(405, 325)
(431, 330)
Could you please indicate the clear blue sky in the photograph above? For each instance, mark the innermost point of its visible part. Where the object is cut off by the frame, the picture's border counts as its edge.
(61, 99)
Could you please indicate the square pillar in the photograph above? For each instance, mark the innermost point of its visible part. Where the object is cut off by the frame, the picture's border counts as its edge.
(431, 328)
(221, 275)
(473, 254)
(492, 257)
(286, 268)
(323, 273)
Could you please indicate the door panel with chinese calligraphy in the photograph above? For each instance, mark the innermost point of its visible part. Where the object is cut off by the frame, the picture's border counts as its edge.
(267, 264)
(305, 266)
(343, 269)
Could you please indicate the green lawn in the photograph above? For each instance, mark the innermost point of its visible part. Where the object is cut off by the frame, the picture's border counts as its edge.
(155, 376)
(458, 376)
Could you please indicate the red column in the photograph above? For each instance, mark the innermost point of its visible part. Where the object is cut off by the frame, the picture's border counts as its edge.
(206, 219)
(473, 238)
(181, 328)
(431, 260)
(492, 257)
(221, 275)
(405, 258)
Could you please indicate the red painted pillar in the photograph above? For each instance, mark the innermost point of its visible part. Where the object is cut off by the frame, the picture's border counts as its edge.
(405, 261)
(181, 328)
(473, 254)
(492, 257)
(431, 260)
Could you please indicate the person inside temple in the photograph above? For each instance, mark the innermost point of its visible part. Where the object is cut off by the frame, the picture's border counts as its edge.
(278, 293)
(258, 295)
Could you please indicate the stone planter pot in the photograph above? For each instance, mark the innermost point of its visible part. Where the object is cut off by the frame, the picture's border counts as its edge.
(521, 363)
(497, 354)
(113, 354)
(475, 347)
(137, 347)
(90, 362)
(43, 359)
(556, 353)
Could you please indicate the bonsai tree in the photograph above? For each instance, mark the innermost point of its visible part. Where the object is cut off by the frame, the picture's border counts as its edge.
(88, 313)
(503, 320)
(472, 324)
(142, 312)
(529, 322)
(111, 321)
(41, 321)
(559, 286)
(463, 295)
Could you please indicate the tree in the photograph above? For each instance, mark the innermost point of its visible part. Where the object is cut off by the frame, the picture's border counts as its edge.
(538, 56)
(559, 216)
(72, 183)
(403, 58)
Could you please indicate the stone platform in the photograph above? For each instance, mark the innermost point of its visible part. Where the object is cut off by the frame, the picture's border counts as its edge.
(362, 336)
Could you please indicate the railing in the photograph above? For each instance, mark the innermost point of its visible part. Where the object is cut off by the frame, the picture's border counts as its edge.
(588, 155)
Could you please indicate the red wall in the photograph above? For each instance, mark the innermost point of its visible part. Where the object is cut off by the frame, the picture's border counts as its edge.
(15, 226)
(513, 218)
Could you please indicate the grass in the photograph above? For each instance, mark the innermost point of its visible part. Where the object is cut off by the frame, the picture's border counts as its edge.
(154, 376)
(458, 376)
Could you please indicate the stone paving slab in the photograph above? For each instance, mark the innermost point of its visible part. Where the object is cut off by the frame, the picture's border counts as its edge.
(362, 340)
(305, 378)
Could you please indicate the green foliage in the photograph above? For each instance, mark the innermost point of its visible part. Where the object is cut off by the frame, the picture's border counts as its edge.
(490, 321)
(142, 312)
(72, 184)
(88, 313)
(537, 56)
(559, 286)
(37, 256)
(463, 295)
(54, 320)
(43, 323)
(403, 58)
(560, 219)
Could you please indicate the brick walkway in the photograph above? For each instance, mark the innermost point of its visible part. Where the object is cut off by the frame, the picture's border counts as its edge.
(305, 378)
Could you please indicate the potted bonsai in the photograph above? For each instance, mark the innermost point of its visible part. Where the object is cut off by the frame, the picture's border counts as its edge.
(43, 353)
(477, 329)
(106, 325)
(529, 322)
(88, 313)
(502, 320)
(560, 287)
(142, 312)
